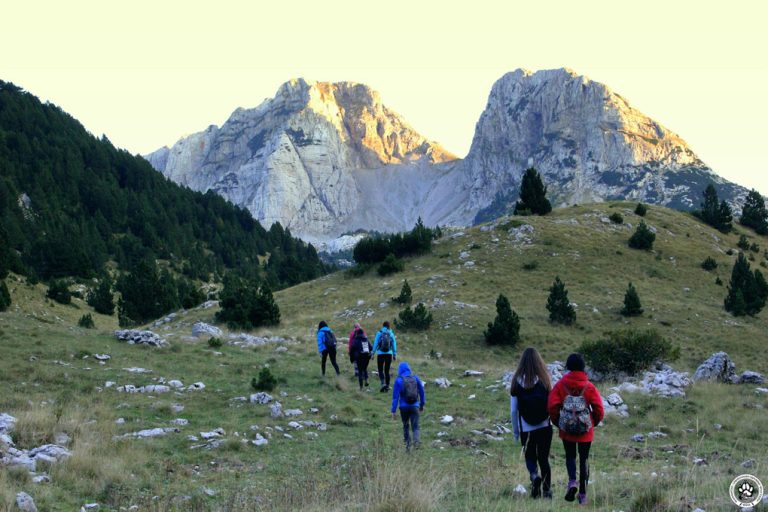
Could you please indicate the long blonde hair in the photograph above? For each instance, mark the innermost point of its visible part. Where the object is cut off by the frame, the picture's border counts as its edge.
(530, 367)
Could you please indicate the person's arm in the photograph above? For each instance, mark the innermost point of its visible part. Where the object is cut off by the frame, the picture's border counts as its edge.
(555, 403)
(396, 395)
(320, 341)
(376, 343)
(394, 344)
(596, 401)
(513, 415)
(422, 395)
(351, 339)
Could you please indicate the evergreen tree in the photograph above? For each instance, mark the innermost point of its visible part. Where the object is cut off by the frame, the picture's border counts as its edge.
(632, 306)
(714, 212)
(146, 293)
(101, 299)
(560, 309)
(5, 296)
(743, 243)
(754, 213)
(416, 319)
(533, 195)
(642, 238)
(709, 264)
(58, 290)
(641, 210)
(747, 290)
(505, 328)
(266, 311)
(246, 304)
(405, 294)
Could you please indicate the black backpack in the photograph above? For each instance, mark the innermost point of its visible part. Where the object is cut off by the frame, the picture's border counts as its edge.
(360, 344)
(532, 403)
(385, 341)
(330, 340)
(410, 390)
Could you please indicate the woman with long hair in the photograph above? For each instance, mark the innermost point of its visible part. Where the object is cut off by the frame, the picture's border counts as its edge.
(529, 392)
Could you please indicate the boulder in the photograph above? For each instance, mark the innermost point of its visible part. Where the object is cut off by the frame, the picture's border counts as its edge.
(718, 368)
(176, 384)
(442, 383)
(25, 503)
(276, 410)
(180, 422)
(202, 328)
(212, 434)
(446, 420)
(49, 452)
(293, 412)
(261, 398)
(102, 357)
(472, 373)
(197, 386)
(613, 404)
(259, 440)
(154, 388)
(150, 432)
(750, 377)
(6, 423)
(136, 337)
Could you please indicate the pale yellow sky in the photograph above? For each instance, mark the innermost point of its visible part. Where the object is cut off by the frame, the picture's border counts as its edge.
(146, 72)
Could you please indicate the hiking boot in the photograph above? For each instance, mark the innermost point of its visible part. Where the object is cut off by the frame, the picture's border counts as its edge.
(383, 389)
(366, 383)
(573, 488)
(547, 495)
(582, 498)
(536, 487)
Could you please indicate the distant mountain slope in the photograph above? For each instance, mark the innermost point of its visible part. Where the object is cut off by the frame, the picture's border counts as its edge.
(589, 143)
(295, 159)
(69, 202)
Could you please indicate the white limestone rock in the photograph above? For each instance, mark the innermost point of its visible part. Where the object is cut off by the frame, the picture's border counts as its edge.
(203, 329)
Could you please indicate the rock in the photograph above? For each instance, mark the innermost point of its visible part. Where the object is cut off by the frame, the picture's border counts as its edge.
(120, 421)
(177, 408)
(638, 438)
(761, 391)
(102, 357)
(49, 453)
(656, 435)
(472, 373)
(523, 234)
(197, 386)
(295, 425)
(520, 489)
(276, 410)
(6, 423)
(442, 383)
(89, 506)
(718, 368)
(134, 337)
(281, 349)
(176, 384)
(446, 420)
(471, 397)
(155, 388)
(41, 479)
(556, 370)
(180, 422)
(261, 398)
(750, 377)
(61, 439)
(613, 404)
(259, 440)
(128, 388)
(463, 255)
(212, 434)
(749, 464)
(202, 328)
(151, 432)
(469, 264)
(25, 503)
(135, 369)
(314, 410)
(109, 383)
(292, 412)
(209, 492)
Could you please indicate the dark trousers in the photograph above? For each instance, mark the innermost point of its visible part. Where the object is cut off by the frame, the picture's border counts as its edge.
(537, 443)
(384, 363)
(410, 415)
(362, 368)
(332, 353)
(570, 462)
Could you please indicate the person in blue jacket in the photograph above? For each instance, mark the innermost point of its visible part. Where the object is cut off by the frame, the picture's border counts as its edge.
(326, 345)
(385, 348)
(408, 393)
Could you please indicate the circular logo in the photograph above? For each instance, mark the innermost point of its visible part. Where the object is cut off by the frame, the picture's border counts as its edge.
(746, 491)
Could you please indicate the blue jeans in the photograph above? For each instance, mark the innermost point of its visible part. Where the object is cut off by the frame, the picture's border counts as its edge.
(410, 415)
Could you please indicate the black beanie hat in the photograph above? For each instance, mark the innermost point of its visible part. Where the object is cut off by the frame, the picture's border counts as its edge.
(575, 363)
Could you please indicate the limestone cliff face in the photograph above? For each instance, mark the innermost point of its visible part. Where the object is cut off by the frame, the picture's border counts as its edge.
(588, 142)
(295, 158)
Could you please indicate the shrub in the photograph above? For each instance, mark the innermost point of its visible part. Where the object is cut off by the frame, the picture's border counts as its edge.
(215, 342)
(474, 247)
(743, 243)
(628, 351)
(616, 218)
(560, 309)
(641, 209)
(754, 247)
(390, 265)
(5, 297)
(729, 252)
(505, 328)
(632, 306)
(416, 319)
(709, 264)
(100, 298)
(405, 294)
(358, 270)
(246, 304)
(86, 322)
(58, 290)
(718, 281)
(417, 241)
(642, 238)
(265, 382)
(531, 265)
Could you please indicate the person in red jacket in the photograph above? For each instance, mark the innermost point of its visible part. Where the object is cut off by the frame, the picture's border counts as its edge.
(576, 407)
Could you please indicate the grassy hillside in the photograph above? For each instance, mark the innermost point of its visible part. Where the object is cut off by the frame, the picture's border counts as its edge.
(357, 462)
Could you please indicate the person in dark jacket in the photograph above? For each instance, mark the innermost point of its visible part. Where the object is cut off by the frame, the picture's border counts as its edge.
(384, 355)
(408, 393)
(530, 419)
(360, 352)
(325, 346)
(352, 333)
(576, 384)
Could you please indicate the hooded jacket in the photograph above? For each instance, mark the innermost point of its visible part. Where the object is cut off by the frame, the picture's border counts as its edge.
(405, 371)
(392, 350)
(355, 352)
(321, 339)
(575, 383)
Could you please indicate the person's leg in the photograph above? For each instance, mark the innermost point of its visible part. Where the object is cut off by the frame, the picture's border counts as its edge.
(531, 442)
(332, 353)
(416, 429)
(405, 416)
(363, 366)
(387, 367)
(583, 470)
(570, 465)
(359, 370)
(380, 367)
(542, 455)
(322, 364)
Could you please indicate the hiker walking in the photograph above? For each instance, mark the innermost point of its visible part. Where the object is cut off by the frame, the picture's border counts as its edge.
(385, 348)
(408, 393)
(576, 407)
(352, 333)
(530, 419)
(326, 345)
(360, 351)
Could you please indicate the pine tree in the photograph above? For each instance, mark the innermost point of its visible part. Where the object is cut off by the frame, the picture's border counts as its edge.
(101, 299)
(560, 309)
(632, 306)
(754, 213)
(533, 195)
(405, 294)
(714, 212)
(265, 311)
(641, 210)
(505, 328)
(747, 290)
(642, 238)
(416, 319)
(58, 290)
(743, 243)
(5, 297)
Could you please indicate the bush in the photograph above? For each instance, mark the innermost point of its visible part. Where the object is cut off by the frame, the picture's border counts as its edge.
(718, 281)
(246, 304)
(416, 319)
(417, 241)
(405, 294)
(628, 351)
(743, 243)
(641, 209)
(358, 270)
(531, 265)
(632, 306)
(709, 264)
(558, 305)
(58, 290)
(265, 382)
(643, 238)
(390, 265)
(5, 297)
(754, 247)
(101, 299)
(215, 342)
(86, 322)
(505, 328)
(616, 218)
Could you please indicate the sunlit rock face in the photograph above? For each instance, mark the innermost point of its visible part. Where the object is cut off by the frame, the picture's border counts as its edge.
(320, 158)
(588, 142)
